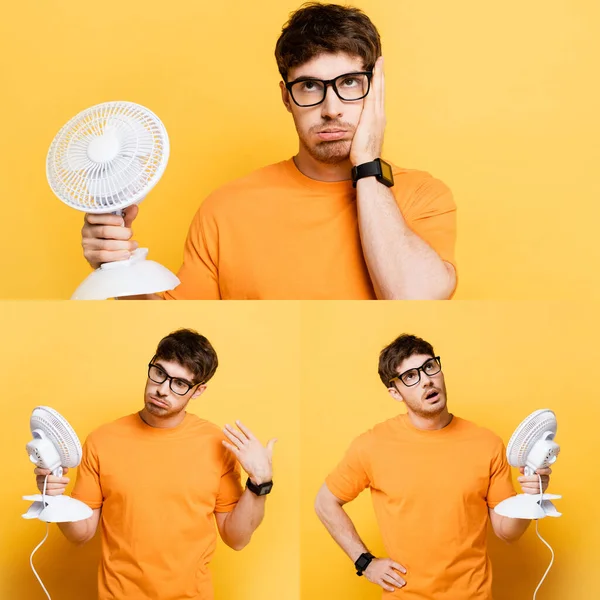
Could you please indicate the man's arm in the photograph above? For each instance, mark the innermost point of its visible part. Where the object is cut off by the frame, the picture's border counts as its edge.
(381, 571)
(507, 529)
(82, 531)
(401, 265)
(237, 526)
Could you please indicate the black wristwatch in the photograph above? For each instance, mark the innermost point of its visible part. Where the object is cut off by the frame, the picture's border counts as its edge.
(362, 562)
(377, 168)
(260, 490)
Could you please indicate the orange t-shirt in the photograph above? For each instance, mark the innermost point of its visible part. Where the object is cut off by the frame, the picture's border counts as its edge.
(158, 489)
(431, 491)
(279, 235)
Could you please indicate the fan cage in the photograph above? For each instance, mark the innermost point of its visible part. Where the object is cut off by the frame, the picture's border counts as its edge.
(116, 184)
(60, 433)
(528, 433)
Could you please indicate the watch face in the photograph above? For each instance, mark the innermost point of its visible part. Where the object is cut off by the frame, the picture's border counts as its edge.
(266, 489)
(386, 171)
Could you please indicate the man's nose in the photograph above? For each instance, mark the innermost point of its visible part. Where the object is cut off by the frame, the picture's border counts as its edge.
(332, 106)
(163, 388)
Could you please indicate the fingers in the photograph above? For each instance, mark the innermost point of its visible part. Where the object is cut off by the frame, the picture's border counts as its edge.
(393, 579)
(236, 436)
(546, 471)
(230, 447)
(270, 445)
(130, 213)
(248, 433)
(387, 587)
(398, 567)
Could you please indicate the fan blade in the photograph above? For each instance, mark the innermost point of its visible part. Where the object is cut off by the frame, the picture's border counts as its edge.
(135, 138)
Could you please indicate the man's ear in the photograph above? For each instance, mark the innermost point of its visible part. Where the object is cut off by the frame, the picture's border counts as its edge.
(199, 391)
(285, 97)
(395, 394)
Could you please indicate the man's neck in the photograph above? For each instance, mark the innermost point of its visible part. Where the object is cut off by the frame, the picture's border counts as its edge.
(432, 423)
(312, 168)
(160, 423)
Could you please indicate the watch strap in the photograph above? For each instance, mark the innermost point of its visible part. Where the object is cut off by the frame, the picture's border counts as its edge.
(362, 562)
(370, 169)
(260, 490)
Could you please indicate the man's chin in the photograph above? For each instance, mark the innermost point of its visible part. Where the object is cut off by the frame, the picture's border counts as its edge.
(331, 153)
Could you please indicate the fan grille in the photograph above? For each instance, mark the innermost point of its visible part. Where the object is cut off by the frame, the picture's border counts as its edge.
(528, 433)
(136, 148)
(60, 433)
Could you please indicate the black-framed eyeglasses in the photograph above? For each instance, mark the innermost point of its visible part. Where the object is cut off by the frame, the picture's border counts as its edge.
(177, 385)
(308, 91)
(411, 377)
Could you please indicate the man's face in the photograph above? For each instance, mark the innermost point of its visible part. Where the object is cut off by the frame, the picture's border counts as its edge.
(160, 400)
(326, 130)
(428, 397)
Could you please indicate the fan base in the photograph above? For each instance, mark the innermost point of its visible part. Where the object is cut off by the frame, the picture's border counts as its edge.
(57, 509)
(131, 277)
(528, 506)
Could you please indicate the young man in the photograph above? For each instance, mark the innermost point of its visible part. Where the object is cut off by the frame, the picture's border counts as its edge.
(334, 222)
(157, 479)
(434, 480)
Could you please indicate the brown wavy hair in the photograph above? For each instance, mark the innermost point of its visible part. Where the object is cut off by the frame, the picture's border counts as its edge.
(191, 350)
(317, 28)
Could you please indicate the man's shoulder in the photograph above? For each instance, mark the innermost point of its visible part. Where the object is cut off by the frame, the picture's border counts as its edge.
(243, 187)
(479, 433)
(119, 426)
(417, 181)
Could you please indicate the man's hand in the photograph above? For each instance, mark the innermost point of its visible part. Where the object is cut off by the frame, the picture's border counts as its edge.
(531, 484)
(254, 458)
(55, 486)
(107, 238)
(368, 137)
(384, 572)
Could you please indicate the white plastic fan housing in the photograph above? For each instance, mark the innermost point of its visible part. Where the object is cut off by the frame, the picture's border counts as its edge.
(108, 157)
(103, 160)
(532, 447)
(55, 445)
(130, 277)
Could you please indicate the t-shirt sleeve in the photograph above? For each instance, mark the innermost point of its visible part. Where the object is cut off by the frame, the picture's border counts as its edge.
(500, 487)
(199, 273)
(230, 487)
(431, 213)
(350, 477)
(87, 486)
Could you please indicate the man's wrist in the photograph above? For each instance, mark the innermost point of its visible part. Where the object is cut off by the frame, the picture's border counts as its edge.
(260, 478)
(361, 160)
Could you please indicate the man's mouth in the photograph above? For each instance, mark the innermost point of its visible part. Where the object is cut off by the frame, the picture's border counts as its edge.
(432, 395)
(331, 133)
(158, 402)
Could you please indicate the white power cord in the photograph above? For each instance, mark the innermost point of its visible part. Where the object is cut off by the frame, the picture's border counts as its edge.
(40, 544)
(545, 542)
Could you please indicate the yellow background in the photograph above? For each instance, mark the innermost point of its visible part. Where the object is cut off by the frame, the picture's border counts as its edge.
(499, 100)
(501, 362)
(88, 361)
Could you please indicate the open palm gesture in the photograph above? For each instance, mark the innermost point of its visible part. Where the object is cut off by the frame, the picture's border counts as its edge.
(254, 458)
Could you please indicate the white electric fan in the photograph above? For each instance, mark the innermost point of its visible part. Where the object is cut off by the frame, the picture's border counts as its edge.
(54, 445)
(103, 160)
(532, 447)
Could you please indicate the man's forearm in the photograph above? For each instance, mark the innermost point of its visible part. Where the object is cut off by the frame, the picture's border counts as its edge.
(341, 528)
(401, 265)
(78, 532)
(243, 520)
(511, 530)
